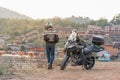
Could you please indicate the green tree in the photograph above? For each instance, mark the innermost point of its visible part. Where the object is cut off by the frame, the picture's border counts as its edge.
(102, 22)
(116, 20)
(22, 48)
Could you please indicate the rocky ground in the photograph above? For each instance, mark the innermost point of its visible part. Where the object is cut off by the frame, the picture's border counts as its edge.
(37, 71)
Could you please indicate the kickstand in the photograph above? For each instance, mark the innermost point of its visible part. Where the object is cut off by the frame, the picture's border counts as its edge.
(83, 67)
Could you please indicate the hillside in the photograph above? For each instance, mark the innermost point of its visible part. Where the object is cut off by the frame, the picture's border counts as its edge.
(6, 13)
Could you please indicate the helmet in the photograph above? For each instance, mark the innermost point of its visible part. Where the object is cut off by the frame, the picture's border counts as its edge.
(48, 25)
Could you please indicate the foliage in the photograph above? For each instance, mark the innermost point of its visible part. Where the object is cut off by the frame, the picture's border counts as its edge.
(21, 27)
(17, 27)
(116, 20)
(80, 20)
(22, 48)
(1, 71)
(102, 22)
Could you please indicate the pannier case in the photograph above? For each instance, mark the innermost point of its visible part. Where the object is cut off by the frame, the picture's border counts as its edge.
(98, 40)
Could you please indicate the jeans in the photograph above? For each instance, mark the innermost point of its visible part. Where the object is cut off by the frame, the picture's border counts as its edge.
(50, 51)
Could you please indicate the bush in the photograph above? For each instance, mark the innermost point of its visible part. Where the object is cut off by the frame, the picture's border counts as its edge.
(1, 71)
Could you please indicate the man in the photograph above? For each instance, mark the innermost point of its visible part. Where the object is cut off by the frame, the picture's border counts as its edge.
(51, 38)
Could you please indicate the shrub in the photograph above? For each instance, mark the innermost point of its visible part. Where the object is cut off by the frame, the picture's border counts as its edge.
(1, 71)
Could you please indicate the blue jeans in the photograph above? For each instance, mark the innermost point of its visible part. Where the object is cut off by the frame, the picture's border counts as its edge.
(50, 50)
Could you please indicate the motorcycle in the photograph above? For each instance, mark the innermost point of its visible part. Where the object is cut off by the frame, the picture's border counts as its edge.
(81, 53)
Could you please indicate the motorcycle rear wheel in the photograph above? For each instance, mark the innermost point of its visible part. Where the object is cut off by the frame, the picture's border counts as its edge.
(91, 62)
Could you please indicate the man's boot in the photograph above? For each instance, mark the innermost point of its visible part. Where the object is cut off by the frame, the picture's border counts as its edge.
(49, 66)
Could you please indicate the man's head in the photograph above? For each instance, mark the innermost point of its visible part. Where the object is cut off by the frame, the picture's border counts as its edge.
(48, 26)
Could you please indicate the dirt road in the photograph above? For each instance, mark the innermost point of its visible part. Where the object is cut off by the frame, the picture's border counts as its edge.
(101, 71)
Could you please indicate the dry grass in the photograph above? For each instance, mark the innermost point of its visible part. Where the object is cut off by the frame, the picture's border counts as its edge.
(36, 69)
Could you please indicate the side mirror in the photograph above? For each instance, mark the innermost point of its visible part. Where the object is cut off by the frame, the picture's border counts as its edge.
(66, 37)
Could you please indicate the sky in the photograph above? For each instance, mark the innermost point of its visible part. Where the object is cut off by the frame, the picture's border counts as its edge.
(39, 9)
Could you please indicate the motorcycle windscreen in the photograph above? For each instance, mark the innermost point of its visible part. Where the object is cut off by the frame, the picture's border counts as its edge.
(71, 44)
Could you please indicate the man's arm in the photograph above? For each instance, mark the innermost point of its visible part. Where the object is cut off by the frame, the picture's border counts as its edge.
(46, 38)
(56, 39)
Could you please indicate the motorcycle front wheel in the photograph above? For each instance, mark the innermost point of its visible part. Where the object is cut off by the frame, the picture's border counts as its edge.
(90, 63)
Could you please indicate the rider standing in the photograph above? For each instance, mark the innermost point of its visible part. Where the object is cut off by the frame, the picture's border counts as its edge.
(51, 38)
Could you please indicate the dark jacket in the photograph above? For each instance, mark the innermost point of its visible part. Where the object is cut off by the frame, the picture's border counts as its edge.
(51, 38)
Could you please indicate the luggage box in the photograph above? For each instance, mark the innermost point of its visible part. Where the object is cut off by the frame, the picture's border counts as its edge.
(98, 40)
